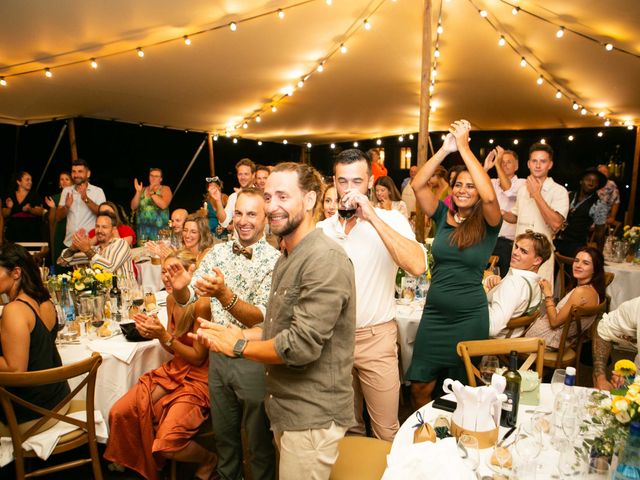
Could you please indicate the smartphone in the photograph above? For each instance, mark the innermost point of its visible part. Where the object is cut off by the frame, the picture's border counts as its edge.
(446, 405)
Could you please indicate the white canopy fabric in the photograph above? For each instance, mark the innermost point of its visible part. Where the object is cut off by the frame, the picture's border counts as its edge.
(370, 91)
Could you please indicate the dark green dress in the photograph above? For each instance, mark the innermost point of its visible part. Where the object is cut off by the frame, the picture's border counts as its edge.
(456, 308)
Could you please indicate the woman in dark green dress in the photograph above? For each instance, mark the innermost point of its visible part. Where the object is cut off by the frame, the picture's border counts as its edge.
(456, 308)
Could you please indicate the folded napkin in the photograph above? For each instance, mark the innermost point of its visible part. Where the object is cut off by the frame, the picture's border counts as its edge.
(427, 461)
(122, 350)
(44, 442)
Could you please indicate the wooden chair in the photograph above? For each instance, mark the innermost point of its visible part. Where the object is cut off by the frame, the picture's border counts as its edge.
(86, 433)
(360, 458)
(38, 250)
(569, 351)
(493, 259)
(520, 322)
(564, 272)
(499, 346)
(608, 278)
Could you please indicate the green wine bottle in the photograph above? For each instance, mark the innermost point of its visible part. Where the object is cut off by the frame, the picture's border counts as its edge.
(509, 415)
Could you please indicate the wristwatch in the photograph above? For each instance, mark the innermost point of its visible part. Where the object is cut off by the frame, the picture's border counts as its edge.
(238, 348)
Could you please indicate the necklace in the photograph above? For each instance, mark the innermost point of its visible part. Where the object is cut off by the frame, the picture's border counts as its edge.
(458, 219)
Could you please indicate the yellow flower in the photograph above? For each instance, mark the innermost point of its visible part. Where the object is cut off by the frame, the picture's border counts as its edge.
(76, 274)
(79, 286)
(619, 404)
(100, 277)
(96, 267)
(625, 367)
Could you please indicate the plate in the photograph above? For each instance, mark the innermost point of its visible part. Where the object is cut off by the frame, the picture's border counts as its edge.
(506, 471)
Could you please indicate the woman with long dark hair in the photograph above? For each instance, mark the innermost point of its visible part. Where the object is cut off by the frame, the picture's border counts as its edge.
(28, 330)
(388, 196)
(23, 211)
(588, 291)
(465, 237)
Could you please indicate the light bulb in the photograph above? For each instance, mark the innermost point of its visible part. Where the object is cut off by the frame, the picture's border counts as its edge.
(442, 137)
(434, 73)
(490, 140)
(575, 106)
(540, 80)
(328, 2)
(309, 145)
(558, 94)
(378, 142)
(300, 83)
(3, 82)
(436, 53)
(515, 10)
(439, 30)
(483, 13)
(543, 141)
(259, 142)
(285, 141)
(502, 42)
(629, 127)
(600, 134)
(607, 122)
(245, 125)
(355, 144)
(601, 114)
(516, 141)
(431, 88)
(274, 109)
(320, 68)
(280, 13)
(570, 138)
(140, 52)
(411, 136)
(215, 137)
(367, 24)
(187, 40)
(560, 32)
(235, 140)
(233, 26)
(343, 48)
(583, 111)
(523, 62)
(258, 119)
(401, 138)
(94, 64)
(227, 133)
(332, 146)
(608, 47)
(47, 73)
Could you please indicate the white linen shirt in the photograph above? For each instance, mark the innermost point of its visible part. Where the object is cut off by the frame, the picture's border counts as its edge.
(530, 218)
(509, 299)
(79, 215)
(507, 200)
(229, 209)
(621, 325)
(375, 270)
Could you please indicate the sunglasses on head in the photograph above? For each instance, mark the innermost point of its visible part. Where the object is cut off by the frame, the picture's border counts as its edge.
(212, 179)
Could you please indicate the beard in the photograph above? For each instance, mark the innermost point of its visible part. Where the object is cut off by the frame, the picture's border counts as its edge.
(290, 225)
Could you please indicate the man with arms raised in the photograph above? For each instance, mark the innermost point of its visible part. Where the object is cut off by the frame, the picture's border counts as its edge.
(308, 333)
(543, 205)
(110, 251)
(237, 278)
(79, 202)
(378, 242)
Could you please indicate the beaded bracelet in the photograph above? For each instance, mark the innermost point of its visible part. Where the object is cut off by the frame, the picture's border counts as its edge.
(232, 303)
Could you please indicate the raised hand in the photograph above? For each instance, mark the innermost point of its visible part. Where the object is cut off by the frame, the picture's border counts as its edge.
(215, 193)
(364, 209)
(460, 130)
(49, 201)
(178, 276)
(149, 326)
(8, 203)
(490, 160)
(137, 185)
(449, 144)
(68, 201)
(210, 285)
(534, 186)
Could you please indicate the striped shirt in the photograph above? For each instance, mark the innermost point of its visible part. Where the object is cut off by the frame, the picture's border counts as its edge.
(115, 257)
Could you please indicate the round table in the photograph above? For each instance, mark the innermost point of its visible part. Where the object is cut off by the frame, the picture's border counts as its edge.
(626, 283)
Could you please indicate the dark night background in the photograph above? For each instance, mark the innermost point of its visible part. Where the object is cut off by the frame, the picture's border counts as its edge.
(118, 152)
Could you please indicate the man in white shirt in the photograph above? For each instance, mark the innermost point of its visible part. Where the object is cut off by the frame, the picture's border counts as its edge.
(80, 202)
(245, 173)
(506, 187)
(378, 242)
(619, 326)
(518, 293)
(543, 205)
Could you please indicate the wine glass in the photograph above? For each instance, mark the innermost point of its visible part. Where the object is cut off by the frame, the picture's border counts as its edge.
(541, 427)
(528, 446)
(599, 468)
(571, 463)
(571, 421)
(503, 455)
(468, 450)
(488, 366)
(496, 270)
(346, 209)
(557, 381)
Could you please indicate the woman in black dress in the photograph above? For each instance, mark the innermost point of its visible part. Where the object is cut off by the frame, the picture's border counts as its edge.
(22, 211)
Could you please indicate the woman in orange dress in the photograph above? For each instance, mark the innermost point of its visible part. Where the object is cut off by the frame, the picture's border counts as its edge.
(159, 416)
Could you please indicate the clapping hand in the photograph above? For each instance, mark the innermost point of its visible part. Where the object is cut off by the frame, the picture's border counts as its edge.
(149, 326)
(460, 130)
(8, 203)
(137, 185)
(449, 144)
(178, 276)
(217, 338)
(534, 186)
(210, 285)
(49, 201)
(68, 201)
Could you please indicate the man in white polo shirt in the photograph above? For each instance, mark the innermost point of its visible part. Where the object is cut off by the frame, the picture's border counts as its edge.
(543, 205)
(79, 202)
(377, 241)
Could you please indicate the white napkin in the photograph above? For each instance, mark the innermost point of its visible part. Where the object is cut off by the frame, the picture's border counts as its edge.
(44, 442)
(123, 351)
(427, 461)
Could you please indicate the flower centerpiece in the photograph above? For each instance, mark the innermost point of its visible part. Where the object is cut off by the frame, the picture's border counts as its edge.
(92, 279)
(610, 414)
(632, 236)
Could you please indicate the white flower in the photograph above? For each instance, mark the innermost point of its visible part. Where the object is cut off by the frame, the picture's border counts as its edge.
(623, 416)
(605, 403)
(89, 271)
(622, 405)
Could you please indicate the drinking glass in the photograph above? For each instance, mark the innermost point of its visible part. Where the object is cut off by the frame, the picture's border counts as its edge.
(571, 464)
(502, 455)
(488, 366)
(496, 270)
(528, 445)
(346, 209)
(557, 381)
(468, 450)
(599, 468)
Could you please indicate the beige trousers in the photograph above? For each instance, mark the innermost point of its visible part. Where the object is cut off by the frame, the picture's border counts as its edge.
(376, 377)
(308, 454)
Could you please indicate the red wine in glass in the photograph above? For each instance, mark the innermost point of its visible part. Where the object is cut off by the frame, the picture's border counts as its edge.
(346, 213)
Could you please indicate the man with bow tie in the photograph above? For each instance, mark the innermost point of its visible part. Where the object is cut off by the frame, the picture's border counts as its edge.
(237, 277)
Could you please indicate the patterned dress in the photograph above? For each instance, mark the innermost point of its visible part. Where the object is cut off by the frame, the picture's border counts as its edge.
(150, 218)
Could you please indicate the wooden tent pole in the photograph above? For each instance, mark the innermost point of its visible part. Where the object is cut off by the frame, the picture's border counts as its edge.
(212, 165)
(634, 180)
(72, 139)
(423, 131)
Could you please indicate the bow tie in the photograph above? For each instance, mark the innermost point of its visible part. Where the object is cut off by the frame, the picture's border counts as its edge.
(240, 250)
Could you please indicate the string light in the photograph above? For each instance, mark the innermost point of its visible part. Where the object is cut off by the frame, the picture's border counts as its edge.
(515, 10)
(140, 52)
(436, 53)
(215, 137)
(329, 2)
(300, 83)
(431, 88)
(490, 140)
(629, 127)
(332, 146)
(245, 125)
(259, 143)
(411, 136)
(502, 42)
(258, 119)
(233, 26)
(583, 111)
(570, 138)
(442, 137)
(378, 142)
(607, 122)
(343, 48)
(516, 141)
(280, 13)
(543, 141)
(274, 109)
(601, 114)
(285, 141)
(320, 68)
(401, 139)
(187, 40)
(575, 106)
(560, 32)
(367, 24)
(558, 94)
(3, 82)
(235, 140)
(600, 134)
(540, 80)
(439, 30)
(608, 47)
(355, 144)
(309, 145)
(47, 73)
(523, 62)
(483, 13)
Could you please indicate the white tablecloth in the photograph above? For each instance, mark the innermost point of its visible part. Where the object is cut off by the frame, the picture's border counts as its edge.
(408, 318)
(547, 459)
(116, 377)
(150, 275)
(626, 283)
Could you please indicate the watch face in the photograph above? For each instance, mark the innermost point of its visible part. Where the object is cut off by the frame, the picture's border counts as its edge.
(238, 348)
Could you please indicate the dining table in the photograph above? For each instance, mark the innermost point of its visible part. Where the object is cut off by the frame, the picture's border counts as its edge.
(625, 284)
(123, 361)
(408, 315)
(428, 460)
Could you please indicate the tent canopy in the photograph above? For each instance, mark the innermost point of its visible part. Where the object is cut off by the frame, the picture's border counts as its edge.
(372, 90)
